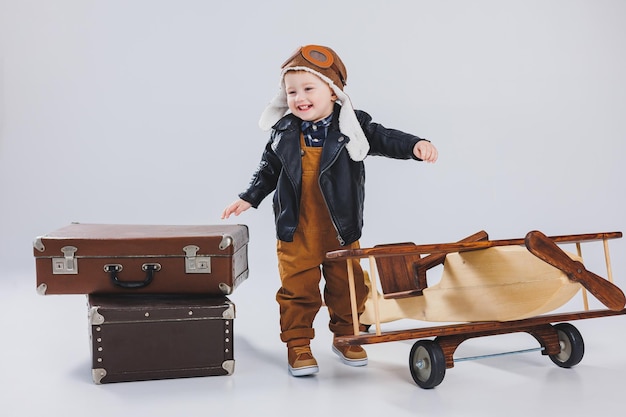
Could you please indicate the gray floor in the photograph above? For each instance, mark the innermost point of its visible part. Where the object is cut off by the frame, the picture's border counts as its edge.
(46, 370)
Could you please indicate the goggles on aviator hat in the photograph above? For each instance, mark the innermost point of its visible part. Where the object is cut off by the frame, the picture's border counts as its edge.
(320, 59)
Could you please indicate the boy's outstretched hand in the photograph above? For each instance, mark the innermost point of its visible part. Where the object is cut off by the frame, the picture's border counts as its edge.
(425, 151)
(236, 208)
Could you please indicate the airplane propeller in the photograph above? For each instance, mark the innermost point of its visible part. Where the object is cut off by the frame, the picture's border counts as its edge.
(545, 249)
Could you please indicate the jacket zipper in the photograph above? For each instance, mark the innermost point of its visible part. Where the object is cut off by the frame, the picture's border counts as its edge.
(332, 217)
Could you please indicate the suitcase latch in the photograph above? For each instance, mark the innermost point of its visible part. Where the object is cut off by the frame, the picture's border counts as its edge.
(68, 264)
(196, 264)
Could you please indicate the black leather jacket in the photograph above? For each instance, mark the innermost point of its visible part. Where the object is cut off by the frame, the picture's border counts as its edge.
(341, 179)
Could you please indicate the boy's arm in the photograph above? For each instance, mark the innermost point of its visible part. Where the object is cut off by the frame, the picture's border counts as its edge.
(393, 143)
(264, 179)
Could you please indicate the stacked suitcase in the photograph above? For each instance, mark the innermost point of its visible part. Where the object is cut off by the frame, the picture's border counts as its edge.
(157, 295)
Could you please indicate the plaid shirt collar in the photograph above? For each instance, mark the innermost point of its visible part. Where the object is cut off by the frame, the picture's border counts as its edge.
(315, 132)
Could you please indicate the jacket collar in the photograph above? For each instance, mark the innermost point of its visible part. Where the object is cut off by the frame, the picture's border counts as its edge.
(358, 146)
(286, 143)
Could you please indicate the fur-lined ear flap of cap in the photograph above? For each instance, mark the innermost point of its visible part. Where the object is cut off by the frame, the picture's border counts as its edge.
(358, 146)
(274, 111)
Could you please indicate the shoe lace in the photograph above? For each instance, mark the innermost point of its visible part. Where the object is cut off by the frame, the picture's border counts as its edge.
(302, 350)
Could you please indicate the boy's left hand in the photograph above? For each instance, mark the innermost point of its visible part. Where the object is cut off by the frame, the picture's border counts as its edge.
(425, 151)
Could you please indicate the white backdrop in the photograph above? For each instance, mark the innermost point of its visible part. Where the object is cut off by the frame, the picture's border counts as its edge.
(146, 112)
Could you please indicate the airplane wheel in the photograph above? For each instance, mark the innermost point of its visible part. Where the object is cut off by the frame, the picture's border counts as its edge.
(572, 346)
(427, 363)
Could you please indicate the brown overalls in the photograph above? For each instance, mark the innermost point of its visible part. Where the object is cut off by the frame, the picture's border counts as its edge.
(299, 264)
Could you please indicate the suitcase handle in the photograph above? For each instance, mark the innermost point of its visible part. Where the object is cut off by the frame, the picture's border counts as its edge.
(149, 269)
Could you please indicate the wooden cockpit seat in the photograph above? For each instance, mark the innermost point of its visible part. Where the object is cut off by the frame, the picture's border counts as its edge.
(405, 276)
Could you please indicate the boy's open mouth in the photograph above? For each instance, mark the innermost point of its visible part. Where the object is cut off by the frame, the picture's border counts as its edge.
(305, 107)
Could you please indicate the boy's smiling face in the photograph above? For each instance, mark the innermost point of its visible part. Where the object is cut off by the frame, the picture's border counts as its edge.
(308, 96)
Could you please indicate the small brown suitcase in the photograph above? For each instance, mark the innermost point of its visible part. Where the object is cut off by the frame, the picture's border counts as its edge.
(113, 258)
(142, 337)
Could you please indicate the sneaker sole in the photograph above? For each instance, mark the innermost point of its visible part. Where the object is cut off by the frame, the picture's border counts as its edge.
(348, 361)
(308, 370)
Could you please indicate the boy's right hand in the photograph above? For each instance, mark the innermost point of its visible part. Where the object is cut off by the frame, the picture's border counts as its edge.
(236, 208)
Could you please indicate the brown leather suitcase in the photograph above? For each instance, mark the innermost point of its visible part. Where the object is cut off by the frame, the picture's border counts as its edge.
(113, 258)
(142, 337)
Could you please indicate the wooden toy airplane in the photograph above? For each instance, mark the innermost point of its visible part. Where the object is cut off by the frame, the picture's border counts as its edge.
(489, 286)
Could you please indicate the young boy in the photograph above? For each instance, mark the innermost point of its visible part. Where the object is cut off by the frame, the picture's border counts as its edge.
(314, 163)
